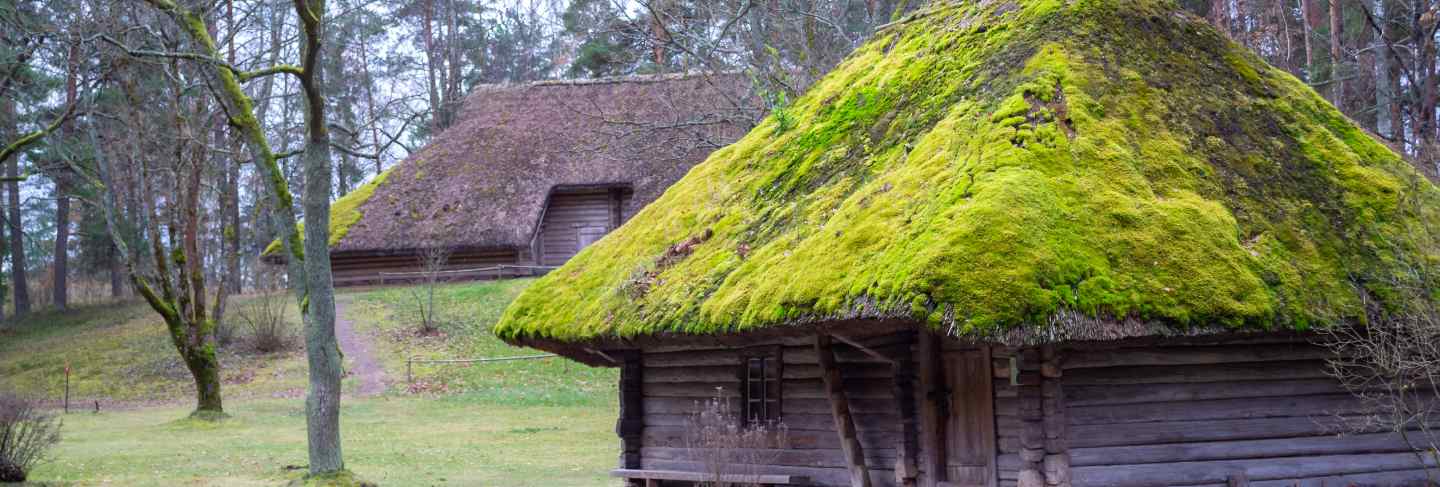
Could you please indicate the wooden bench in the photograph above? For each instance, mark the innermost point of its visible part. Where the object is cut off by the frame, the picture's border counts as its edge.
(652, 478)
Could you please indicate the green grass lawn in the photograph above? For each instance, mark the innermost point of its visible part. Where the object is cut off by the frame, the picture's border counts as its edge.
(468, 312)
(394, 441)
(535, 422)
(121, 353)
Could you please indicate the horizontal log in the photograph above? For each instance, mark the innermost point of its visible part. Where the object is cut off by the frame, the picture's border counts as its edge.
(1076, 395)
(1256, 469)
(1233, 450)
(1197, 355)
(1303, 369)
(1269, 407)
(879, 389)
(791, 421)
(882, 442)
(819, 458)
(1401, 477)
(1089, 436)
(693, 390)
(820, 476)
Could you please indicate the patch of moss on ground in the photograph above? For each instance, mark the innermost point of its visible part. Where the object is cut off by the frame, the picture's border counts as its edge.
(992, 164)
(344, 212)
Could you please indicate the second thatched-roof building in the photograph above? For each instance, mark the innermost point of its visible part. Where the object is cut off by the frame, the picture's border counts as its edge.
(532, 173)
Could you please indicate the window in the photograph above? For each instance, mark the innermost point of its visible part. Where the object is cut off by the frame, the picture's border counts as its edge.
(760, 384)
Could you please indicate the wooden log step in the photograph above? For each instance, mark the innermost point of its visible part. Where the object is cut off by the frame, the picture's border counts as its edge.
(1187, 473)
(1270, 407)
(1233, 450)
(747, 479)
(1077, 395)
(1197, 355)
(1299, 369)
(819, 476)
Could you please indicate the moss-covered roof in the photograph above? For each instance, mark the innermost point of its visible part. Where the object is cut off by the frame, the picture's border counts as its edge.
(344, 212)
(986, 166)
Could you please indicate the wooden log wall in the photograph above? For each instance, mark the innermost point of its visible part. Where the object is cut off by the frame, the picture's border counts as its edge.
(1259, 414)
(569, 211)
(364, 270)
(677, 381)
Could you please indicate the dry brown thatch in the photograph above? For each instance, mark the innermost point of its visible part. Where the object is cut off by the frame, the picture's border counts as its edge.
(483, 183)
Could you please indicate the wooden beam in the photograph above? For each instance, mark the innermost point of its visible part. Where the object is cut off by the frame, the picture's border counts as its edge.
(840, 410)
(630, 426)
(907, 447)
(931, 429)
(868, 351)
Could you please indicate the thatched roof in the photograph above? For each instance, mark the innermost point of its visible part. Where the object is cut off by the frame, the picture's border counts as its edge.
(1039, 169)
(483, 182)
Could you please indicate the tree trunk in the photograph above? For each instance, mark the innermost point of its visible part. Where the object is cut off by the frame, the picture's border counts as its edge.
(205, 368)
(437, 117)
(17, 228)
(61, 269)
(1307, 27)
(1337, 54)
(60, 294)
(1220, 15)
(117, 274)
(322, 406)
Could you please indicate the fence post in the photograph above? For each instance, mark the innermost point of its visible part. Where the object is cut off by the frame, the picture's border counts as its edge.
(67, 387)
(409, 378)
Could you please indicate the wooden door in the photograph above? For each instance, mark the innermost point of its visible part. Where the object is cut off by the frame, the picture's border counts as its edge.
(970, 429)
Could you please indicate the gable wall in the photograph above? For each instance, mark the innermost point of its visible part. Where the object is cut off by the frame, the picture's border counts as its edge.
(569, 213)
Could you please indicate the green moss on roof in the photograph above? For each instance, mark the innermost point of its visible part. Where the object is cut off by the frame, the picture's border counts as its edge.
(344, 212)
(993, 164)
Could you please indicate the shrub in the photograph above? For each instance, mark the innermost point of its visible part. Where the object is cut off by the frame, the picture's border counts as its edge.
(731, 449)
(264, 316)
(26, 433)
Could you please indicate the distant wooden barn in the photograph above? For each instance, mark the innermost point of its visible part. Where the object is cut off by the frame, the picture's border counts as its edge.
(532, 173)
(1015, 243)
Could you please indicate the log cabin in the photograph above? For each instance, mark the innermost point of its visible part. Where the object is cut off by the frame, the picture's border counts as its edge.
(529, 174)
(1015, 243)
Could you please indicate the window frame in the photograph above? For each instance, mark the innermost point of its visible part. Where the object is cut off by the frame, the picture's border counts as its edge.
(772, 372)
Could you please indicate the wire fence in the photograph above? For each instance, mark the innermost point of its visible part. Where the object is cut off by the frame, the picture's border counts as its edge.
(495, 270)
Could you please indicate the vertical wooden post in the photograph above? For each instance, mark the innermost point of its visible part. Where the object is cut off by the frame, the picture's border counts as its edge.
(616, 208)
(67, 387)
(840, 410)
(1032, 425)
(1056, 463)
(631, 424)
(907, 448)
(931, 425)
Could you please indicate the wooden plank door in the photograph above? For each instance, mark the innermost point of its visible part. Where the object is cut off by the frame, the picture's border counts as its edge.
(970, 429)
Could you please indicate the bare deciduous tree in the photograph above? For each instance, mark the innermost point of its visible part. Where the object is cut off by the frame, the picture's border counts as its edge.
(1392, 367)
(431, 262)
